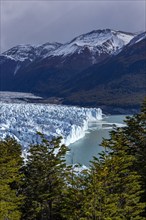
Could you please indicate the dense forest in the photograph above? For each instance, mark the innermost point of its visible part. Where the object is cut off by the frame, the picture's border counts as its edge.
(43, 187)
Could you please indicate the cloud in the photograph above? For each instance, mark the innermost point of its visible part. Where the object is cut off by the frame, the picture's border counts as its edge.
(37, 22)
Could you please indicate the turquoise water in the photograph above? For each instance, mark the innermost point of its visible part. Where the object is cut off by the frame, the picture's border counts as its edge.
(83, 150)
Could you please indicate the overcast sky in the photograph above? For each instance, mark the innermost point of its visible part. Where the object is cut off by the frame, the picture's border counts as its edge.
(41, 21)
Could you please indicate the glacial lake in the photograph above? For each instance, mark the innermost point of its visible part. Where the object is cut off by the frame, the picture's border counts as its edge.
(83, 150)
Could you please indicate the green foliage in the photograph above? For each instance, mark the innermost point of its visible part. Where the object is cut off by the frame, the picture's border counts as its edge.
(75, 193)
(135, 134)
(117, 188)
(133, 137)
(10, 180)
(113, 188)
(44, 180)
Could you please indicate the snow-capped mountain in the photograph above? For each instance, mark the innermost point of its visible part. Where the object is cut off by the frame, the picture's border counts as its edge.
(30, 52)
(98, 41)
(76, 55)
(21, 56)
(68, 71)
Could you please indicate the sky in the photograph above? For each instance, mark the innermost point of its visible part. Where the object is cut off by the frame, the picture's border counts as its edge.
(40, 21)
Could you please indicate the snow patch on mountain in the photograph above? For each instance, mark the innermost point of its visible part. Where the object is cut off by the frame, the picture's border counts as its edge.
(45, 49)
(138, 38)
(30, 52)
(21, 53)
(22, 121)
(124, 37)
(106, 41)
(96, 42)
(17, 68)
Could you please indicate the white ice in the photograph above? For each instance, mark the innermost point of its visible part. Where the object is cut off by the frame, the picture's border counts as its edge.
(22, 121)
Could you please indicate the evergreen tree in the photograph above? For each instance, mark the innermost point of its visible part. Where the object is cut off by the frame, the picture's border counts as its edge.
(134, 143)
(10, 180)
(114, 191)
(75, 192)
(135, 133)
(45, 176)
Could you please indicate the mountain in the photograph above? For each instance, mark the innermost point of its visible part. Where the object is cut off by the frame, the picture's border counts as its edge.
(29, 52)
(97, 42)
(19, 58)
(119, 81)
(89, 66)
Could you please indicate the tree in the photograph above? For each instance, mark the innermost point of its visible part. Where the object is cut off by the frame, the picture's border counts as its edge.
(10, 180)
(45, 176)
(135, 134)
(134, 139)
(117, 189)
(74, 195)
(114, 190)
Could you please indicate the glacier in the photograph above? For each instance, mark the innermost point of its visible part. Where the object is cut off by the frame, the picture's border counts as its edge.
(17, 97)
(23, 120)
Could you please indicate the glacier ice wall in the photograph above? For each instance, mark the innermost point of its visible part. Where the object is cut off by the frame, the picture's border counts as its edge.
(23, 121)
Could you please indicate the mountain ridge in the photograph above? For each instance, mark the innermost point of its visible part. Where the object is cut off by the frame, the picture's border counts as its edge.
(81, 40)
(52, 69)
